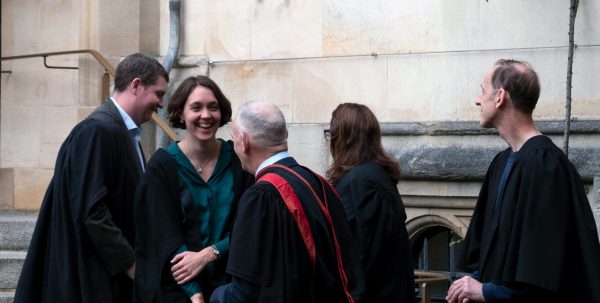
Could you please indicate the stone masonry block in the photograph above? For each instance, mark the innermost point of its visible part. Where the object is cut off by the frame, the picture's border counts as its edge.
(7, 296)
(11, 263)
(17, 229)
(7, 184)
(30, 187)
(20, 138)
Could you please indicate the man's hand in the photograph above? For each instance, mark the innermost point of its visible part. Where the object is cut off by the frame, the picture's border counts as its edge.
(197, 298)
(189, 264)
(131, 271)
(465, 289)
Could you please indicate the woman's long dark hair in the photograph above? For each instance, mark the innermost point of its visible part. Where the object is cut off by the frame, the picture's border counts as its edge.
(355, 139)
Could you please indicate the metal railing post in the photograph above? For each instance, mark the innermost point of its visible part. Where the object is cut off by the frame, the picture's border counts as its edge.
(105, 85)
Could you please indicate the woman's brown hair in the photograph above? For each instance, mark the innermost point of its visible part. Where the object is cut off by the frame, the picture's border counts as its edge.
(355, 137)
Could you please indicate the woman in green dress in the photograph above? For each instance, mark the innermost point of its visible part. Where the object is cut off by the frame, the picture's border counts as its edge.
(186, 202)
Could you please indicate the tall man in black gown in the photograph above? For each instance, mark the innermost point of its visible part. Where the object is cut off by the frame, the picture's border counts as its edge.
(81, 249)
(532, 237)
(290, 241)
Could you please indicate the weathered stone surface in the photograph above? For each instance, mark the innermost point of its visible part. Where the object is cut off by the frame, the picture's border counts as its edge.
(286, 29)
(57, 124)
(7, 185)
(30, 187)
(7, 296)
(17, 228)
(471, 163)
(419, 73)
(464, 128)
(307, 149)
(576, 127)
(439, 202)
(587, 162)
(319, 86)
(453, 163)
(11, 263)
(464, 150)
(243, 82)
(424, 188)
(20, 140)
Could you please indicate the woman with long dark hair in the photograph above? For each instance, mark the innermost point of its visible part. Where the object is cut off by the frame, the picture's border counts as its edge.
(365, 178)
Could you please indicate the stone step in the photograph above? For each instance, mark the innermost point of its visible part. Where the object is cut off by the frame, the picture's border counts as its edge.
(7, 296)
(11, 263)
(16, 229)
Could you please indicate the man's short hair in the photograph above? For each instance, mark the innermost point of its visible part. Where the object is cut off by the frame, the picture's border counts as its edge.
(141, 66)
(263, 122)
(520, 81)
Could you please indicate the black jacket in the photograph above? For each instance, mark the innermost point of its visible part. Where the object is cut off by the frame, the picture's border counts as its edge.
(267, 249)
(83, 239)
(377, 219)
(543, 234)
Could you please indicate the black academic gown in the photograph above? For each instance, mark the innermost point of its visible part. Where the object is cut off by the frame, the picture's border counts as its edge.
(161, 226)
(376, 216)
(542, 234)
(83, 239)
(268, 250)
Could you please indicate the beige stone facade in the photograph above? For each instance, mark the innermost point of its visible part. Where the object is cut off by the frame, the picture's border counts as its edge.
(409, 61)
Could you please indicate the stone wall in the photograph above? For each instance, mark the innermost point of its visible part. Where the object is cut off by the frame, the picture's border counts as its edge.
(444, 163)
(37, 111)
(415, 63)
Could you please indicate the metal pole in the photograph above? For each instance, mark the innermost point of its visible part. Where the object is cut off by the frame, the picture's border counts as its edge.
(174, 29)
(572, 15)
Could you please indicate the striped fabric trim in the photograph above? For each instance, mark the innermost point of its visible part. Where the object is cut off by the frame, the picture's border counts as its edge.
(294, 206)
(296, 211)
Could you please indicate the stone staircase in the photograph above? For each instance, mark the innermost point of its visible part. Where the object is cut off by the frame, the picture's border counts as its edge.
(16, 229)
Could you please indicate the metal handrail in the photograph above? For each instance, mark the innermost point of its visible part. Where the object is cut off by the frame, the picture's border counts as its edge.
(108, 68)
(430, 274)
(424, 282)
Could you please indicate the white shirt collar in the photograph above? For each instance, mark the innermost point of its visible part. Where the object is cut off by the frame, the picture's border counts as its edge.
(272, 159)
(126, 118)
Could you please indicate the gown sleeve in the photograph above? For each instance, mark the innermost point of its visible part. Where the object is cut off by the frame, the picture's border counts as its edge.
(359, 199)
(92, 161)
(107, 239)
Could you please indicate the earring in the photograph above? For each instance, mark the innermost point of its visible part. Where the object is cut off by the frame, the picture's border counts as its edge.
(181, 121)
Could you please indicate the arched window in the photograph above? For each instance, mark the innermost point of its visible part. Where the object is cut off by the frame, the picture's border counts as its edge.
(437, 248)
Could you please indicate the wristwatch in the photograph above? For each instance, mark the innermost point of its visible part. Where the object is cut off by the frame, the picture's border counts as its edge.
(216, 251)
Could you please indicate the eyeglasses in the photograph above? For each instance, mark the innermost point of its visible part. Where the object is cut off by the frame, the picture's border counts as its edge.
(327, 134)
